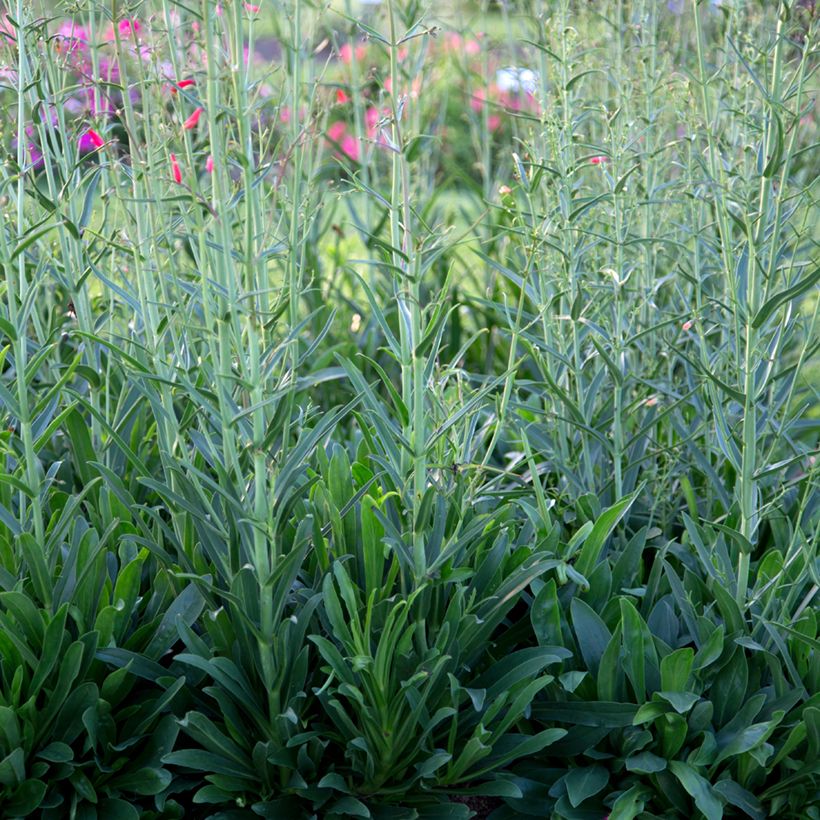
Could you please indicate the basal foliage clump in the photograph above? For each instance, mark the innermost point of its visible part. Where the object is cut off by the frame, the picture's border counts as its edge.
(409, 412)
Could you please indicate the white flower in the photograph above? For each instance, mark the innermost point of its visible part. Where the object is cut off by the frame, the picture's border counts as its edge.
(512, 78)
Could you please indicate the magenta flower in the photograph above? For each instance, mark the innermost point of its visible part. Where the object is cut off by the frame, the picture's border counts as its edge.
(90, 141)
(129, 27)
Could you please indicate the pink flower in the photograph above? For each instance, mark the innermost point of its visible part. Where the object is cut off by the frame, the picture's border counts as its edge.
(493, 122)
(346, 53)
(478, 99)
(251, 8)
(341, 96)
(175, 171)
(371, 117)
(36, 155)
(599, 160)
(128, 27)
(72, 38)
(472, 48)
(350, 147)
(191, 122)
(336, 131)
(687, 325)
(209, 164)
(7, 30)
(284, 114)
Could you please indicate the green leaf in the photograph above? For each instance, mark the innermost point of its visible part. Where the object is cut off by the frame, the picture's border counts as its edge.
(545, 614)
(645, 763)
(601, 530)
(26, 799)
(773, 303)
(590, 632)
(610, 715)
(737, 796)
(681, 702)
(629, 804)
(676, 668)
(619, 186)
(699, 789)
(640, 657)
(585, 782)
(146, 781)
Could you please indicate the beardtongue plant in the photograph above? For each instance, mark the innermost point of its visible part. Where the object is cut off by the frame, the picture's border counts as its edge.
(413, 424)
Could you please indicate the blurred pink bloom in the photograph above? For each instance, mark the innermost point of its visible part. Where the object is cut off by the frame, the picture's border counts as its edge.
(72, 38)
(341, 96)
(251, 8)
(687, 325)
(129, 27)
(209, 164)
(481, 96)
(493, 122)
(191, 122)
(337, 130)
(402, 53)
(350, 146)
(472, 47)
(599, 160)
(36, 156)
(175, 171)
(284, 114)
(346, 53)
(109, 70)
(7, 31)
(371, 117)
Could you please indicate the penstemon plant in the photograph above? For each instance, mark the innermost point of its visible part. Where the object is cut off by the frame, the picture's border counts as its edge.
(408, 410)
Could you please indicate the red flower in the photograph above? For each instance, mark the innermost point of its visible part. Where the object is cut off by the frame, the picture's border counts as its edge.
(193, 119)
(182, 84)
(177, 174)
(96, 140)
(209, 164)
(599, 160)
(341, 96)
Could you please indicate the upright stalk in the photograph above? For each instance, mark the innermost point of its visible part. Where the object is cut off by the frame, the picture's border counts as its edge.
(408, 295)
